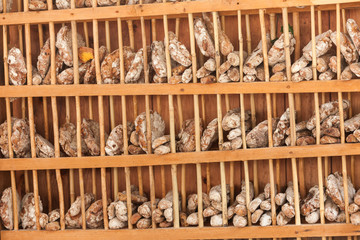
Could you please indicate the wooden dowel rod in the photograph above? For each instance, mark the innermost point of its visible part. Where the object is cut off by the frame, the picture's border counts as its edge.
(9, 129)
(317, 116)
(172, 128)
(101, 120)
(341, 114)
(31, 122)
(14, 201)
(23, 102)
(227, 104)
(343, 17)
(272, 37)
(296, 26)
(197, 122)
(93, 182)
(56, 122)
(292, 114)
(203, 114)
(274, 108)
(158, 108)
(181, 119)
(86, 34)
(78, 118)
(269, 114)
(112, 112)
(124, 122)
(21, 47)
(26, 182)
(91, 116)
(352, 158)
(148, 121)
(219, 116)
(135, 104)
(46, 124)
(242, 111)
(252, 101)
(177, 26)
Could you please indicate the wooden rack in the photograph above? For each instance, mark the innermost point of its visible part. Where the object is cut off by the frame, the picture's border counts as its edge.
(59, 180)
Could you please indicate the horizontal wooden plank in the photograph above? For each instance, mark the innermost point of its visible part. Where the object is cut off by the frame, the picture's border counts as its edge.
(179, 158)
(288, 231)
(152, 10)
(179, 89)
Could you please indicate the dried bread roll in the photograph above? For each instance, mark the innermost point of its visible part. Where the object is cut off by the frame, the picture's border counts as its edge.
(68, 142)
(323, 44)
(354, 32)
(210, 135)
(203, 38)
(64, 44)
(157, 128)
(347, 48)
(6, 208)
(277, 51)
(258, 136)
(17, 67)
(90, 132)
(27, 213)
(186, 136)
(178, 51)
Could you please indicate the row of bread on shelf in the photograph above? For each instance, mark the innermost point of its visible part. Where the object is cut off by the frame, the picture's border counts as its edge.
(302, 69)
(40, 5)
(258, 211)
(181, 72)
(257, 137)
(181, 69)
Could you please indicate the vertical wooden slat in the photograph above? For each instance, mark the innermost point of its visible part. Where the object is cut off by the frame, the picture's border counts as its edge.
(101, 119)
(31, 119)
(317, 115)
(124, 121)
(326, 159)
(292, 115)
(341, 114)
(197, 121)
(135, 104)
(219, 116)
(158, 109)
(46, 124)
(172, 127)
(242, 108)
(78, 126)
(227, 106)
(112, 112)
(67, 101)
(55, 120)
(252, 102)
(78, 113)
(296, 28)
(269, 114)
(8, 118)
(23, 100)
(148, 121)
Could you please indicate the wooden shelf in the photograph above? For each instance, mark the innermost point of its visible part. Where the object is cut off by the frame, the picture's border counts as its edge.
(180, 158)
(154, 10)
(288, 231)
(179, 89)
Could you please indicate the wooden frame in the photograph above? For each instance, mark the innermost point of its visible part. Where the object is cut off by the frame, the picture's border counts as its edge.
(247, 157)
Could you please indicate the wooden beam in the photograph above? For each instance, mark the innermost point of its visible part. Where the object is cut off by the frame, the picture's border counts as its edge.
(157, 10)
(180, 158)
(287, 231)
(179, 89)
